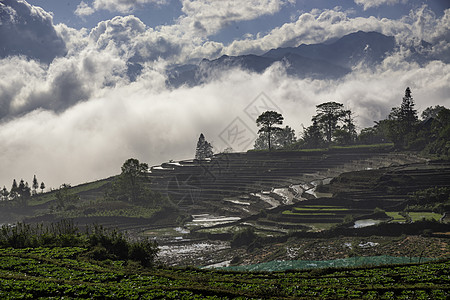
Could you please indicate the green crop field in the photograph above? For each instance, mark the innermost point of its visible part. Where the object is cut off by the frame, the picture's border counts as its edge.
(58, 272)
(396, 217)
(318, 213)
(418, 216)
(321, 208)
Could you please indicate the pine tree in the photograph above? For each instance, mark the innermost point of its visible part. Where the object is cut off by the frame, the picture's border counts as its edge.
(312, 136)
(408, 114)
(266, 121)
(4, 193)
(42, 187)
(21, 187)
(14, 190)
(24, 192)
(402, 121)
(35, 184)
(204, 149)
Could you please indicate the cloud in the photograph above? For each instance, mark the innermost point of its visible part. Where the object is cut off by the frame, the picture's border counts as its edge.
(204, 18)
(122, 6)
(90, 140)
(119, 51)
(318, 26)
(207, 17)
(83, 9)
(376, 3)
(114, 53)
(28, 30)
(79, 117)
(131, 39)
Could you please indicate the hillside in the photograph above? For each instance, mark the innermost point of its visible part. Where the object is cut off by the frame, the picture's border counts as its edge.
(233, 185)
(282, 200)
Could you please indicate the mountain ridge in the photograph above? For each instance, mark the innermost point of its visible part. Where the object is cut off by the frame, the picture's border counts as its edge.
(317, 61)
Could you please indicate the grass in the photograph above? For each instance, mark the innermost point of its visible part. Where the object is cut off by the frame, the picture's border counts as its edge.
(323, 195)
(396, 217)
(323, 208)
(363, 146)
(419, 216)
(288, 212)
(50, 196)
(320, 226)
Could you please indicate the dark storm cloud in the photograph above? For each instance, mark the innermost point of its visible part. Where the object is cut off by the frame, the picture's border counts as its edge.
(28, 30)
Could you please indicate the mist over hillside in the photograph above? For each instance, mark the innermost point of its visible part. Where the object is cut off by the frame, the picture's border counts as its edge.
(74, 114)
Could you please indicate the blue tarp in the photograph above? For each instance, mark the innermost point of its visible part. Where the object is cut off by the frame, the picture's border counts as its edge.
(317, 264)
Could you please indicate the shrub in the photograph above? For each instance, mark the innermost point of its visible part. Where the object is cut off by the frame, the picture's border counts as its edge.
(244, 237)
(144, 251)
(101, 244)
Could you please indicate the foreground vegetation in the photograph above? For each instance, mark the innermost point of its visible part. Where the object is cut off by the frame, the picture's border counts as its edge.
(32, 273)
(97, 243)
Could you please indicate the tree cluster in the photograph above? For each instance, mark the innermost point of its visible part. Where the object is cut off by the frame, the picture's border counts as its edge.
(333, 125)
(21, 192)
(430, 134)
(279, 139)
(270, 136)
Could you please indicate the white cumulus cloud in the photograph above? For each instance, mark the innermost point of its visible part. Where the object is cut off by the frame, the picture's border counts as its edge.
(376, 3)
(207, 17)
(122, 6)
(318, 26)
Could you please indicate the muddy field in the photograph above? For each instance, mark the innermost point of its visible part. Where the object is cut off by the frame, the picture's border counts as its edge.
(214, 252)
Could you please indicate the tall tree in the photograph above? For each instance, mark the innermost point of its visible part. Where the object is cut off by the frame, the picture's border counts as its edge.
(132, 176)
(42, 187)
(35, 184)
(24, 192)
(286, 137)
(266, 121)
(328, 116)
(407, 112)
(346, 134)
(204, 149)
(14, 186)
(402, 121)
(4, 193)
(312, 137)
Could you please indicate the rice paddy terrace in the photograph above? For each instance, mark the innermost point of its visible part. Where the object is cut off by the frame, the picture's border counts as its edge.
(300, 195)
(241, 184)
(283, 195)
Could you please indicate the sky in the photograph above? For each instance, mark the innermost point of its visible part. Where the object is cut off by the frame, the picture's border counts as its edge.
(70, 112)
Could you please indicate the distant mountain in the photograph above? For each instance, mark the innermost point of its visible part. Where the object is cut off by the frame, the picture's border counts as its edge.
(367, 47)
(318, 61)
